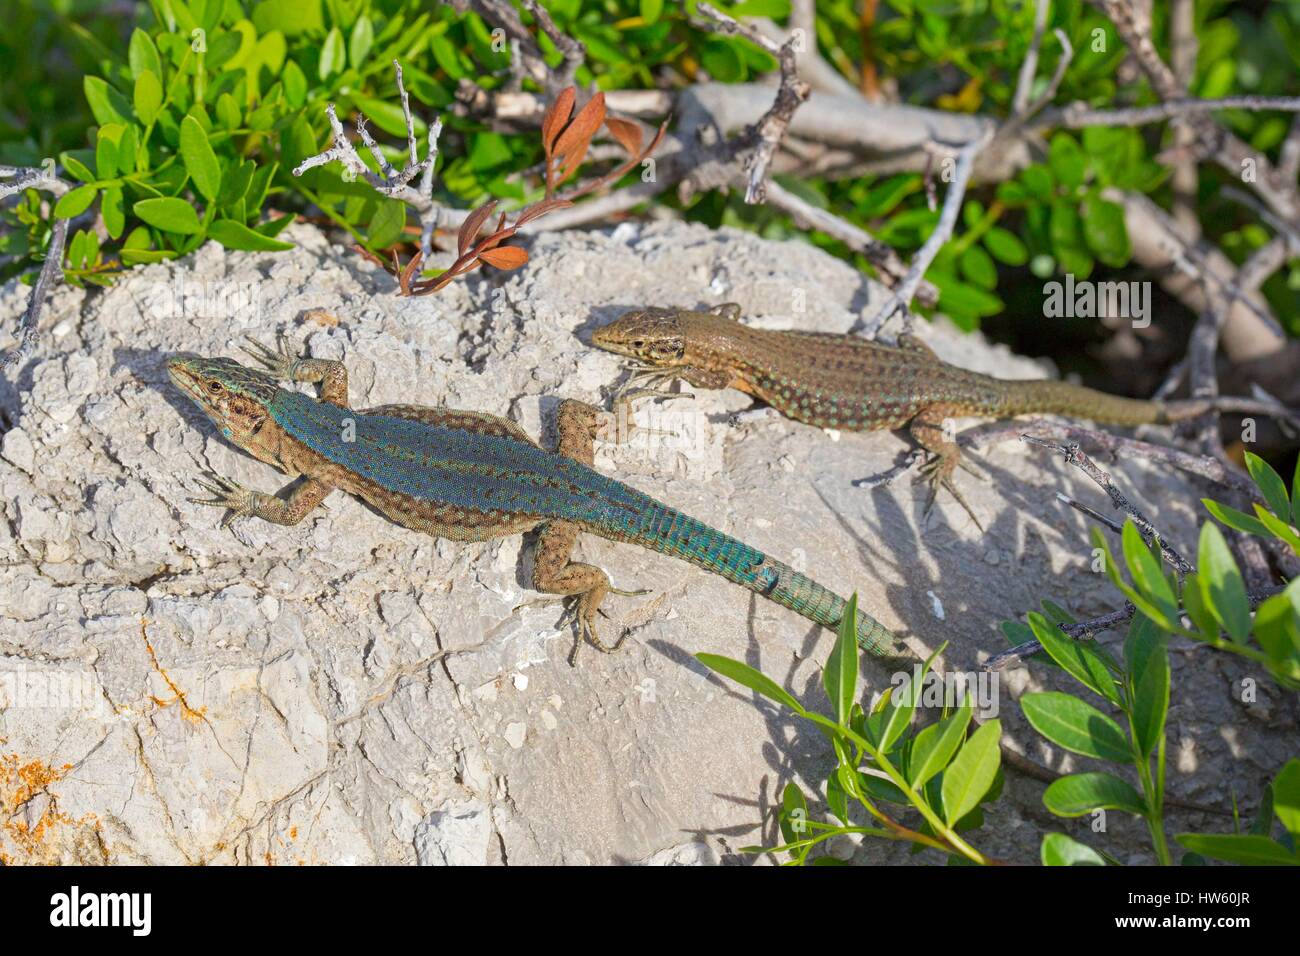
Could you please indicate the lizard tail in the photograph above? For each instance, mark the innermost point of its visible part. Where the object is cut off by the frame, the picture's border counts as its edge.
(1062, 398)
(680, 536)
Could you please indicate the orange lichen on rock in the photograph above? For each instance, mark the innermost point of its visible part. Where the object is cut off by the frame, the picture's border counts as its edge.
(44, 840)
(178, 695)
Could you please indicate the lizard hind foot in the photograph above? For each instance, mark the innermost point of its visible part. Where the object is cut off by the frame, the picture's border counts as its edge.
(938, 473)
(585, 610)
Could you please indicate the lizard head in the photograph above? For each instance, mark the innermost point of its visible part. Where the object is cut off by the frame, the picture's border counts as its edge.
(652, 336)
(234, 397)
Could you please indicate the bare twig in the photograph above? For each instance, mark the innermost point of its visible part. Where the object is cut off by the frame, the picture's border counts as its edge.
(1074, 455)
(1079, 115)
(1095, 626)
(527, 59)
(572, 51)
(902, 297)
(879, 254)
(1210, 469)
(790, 94)
(1288, 163)
(1182, 31)
(51, 272)
(1226, 149)
(390, 182)
(13, 180)
(1029, 68)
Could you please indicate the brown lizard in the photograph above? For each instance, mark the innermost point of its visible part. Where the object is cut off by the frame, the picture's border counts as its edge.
(847, 382)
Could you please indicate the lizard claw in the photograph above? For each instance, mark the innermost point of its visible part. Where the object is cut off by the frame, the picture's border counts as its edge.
(938, 473)
(228, 494)
(277, 361)
(587, 633)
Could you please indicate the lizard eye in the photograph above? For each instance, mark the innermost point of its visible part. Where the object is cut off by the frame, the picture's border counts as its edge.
(214, 386)
(638, 343)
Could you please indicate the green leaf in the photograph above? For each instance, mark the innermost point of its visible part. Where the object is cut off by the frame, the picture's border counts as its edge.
(977, 266)
(1277, 626)
(724, 62)
(1239, 848)
(651, 11)
(75, 201)
(935, 745)
(114, 212)
(133, 257)
(360, 41)
(387, 224)
(148, 97)
(901, 706)
(106, 152)
(840, 677)
(794, 814)
(1080, 793)
(972, 772)
(389, 117)
(1194, 605)
(1147, 656)
(143, 55)
(1067, 161)
(234, 182)
(106, 103)
(747, 676)
(1295, 495)
(1105, 232)
(169, 214)
(1078, 658)
(295, 84)
(291, 17)
(1145, 569)
(1065, 230)
(78, 169)
(1278, 528)
(1237, 520)
(1221, 585)
(1286, 797)
(200, 161)
(1076, 725)
(235, 235)
(228, 111)
(1060, 850)
(1006, 246)
(332, 54)
(1270, 484)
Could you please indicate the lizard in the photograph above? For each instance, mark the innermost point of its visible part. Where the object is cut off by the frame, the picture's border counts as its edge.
(469, 476)
(847, 382)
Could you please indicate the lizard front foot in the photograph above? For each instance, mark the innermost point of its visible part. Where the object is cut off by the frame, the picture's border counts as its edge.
(228, 494)
(277, 361)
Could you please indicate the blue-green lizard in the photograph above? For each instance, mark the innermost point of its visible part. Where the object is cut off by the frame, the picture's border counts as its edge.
(469, 476)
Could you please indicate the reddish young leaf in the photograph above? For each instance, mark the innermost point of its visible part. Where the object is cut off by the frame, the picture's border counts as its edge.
(659, 138)
(539, 209)
(498, 237)
(472, 224)
(626, 132)
(506, 257)
(367, 254)
(404, 278)
(557, 117)
(572, 145)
